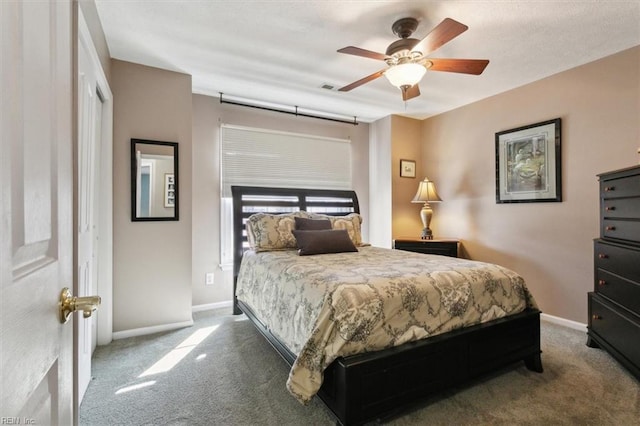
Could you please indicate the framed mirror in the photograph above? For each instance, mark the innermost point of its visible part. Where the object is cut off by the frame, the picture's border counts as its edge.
(154, 180)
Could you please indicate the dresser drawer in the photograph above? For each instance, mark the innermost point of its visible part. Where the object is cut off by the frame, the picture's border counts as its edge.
(615, 208)
(616, 327)
(623, 261)
(628, 186)
(618, 289)
(620, 229)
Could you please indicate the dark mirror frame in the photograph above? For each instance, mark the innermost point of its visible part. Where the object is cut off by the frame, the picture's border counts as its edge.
(134, 188)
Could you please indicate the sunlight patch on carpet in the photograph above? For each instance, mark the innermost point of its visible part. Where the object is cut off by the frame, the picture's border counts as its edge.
(171, 359)
(135, 387)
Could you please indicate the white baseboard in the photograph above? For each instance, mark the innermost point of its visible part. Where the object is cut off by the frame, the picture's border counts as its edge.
(168, 327)
(208, 306)
(150, 330)
(564, 322)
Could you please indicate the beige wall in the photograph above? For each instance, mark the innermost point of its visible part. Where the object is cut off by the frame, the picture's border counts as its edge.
(406, 136)
(392, 139)
(152, 260)
(550, 244)
(208, 114)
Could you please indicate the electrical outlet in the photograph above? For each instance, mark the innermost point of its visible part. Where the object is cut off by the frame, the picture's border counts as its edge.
(208, 278)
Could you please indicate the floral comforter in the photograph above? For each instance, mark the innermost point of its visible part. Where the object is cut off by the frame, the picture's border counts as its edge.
(326, 306)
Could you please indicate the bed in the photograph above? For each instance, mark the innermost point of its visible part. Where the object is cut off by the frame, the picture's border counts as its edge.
(359, 387)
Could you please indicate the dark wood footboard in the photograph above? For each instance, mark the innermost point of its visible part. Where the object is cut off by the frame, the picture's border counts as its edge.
(370, 386)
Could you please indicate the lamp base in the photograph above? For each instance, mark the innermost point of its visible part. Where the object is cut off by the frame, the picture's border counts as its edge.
(426, 234)
(425, 216)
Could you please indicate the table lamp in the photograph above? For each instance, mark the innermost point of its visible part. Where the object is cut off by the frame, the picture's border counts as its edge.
(426, 194)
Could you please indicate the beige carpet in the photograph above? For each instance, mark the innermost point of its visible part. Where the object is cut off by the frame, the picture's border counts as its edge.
(222, 372)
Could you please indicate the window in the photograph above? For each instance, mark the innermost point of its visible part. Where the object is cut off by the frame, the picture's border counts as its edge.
(260, 157)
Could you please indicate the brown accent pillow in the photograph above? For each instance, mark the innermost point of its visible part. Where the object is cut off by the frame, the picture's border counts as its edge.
(305, 224)
(323, 241)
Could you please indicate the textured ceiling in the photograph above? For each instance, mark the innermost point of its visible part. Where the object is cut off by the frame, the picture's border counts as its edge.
(282, 52)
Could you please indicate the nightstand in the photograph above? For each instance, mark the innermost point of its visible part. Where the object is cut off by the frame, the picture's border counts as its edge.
(444, 247)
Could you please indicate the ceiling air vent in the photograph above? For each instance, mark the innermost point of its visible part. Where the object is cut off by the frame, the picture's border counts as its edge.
(328, 86)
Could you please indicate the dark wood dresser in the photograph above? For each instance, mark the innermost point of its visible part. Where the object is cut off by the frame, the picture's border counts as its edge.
(614, 304)
(444, 247)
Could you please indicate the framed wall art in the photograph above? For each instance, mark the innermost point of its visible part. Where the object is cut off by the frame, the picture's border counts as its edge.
(528, 163)
(169, 190)
(407, 168)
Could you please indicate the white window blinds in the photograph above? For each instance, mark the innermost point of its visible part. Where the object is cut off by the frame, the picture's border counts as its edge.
(259, 157)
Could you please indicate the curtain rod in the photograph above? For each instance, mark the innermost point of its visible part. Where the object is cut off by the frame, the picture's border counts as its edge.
(296, 112)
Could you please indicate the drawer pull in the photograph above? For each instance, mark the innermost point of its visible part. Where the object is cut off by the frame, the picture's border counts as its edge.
(596, 317)
(610, 208)
(610, 228)
(609, 188)
(602, 282)
(603, 256)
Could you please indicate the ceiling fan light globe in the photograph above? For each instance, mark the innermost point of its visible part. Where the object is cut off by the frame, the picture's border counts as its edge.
(405, 74)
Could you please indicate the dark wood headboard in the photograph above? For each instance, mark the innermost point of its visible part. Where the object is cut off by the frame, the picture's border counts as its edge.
(248, 200)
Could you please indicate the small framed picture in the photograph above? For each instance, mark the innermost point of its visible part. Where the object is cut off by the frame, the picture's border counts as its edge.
(407, 168)
(169, 190)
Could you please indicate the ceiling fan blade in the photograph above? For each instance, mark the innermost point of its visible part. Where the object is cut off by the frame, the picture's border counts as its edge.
(410, 92)
(362, 81)
(463, 66)
(444, 32)
(352, 50)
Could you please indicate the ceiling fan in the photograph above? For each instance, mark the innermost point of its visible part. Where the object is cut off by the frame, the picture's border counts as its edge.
(407, 58)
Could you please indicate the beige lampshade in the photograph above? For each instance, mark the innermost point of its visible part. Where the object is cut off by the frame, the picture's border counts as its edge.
(426, 193)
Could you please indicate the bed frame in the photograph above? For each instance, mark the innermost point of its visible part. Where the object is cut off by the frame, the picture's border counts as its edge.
(365, 387)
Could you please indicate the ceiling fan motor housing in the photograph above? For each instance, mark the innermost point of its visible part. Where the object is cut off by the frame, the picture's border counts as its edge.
(403, 28)
(398, 46)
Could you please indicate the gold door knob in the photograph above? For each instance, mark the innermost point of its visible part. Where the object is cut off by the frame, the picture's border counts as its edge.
(69, 304)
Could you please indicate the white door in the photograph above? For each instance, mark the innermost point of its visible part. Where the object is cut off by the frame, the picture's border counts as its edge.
(94, 202)
(89, 148)
(36, 188)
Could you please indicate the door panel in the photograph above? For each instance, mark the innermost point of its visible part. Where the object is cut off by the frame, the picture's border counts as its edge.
(36, 210)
